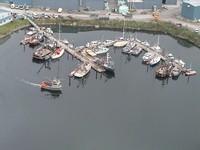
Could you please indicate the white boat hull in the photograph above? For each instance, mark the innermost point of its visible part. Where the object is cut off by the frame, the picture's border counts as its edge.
(56, 55)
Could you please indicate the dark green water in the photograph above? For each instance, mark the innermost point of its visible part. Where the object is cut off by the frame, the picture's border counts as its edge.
(131, 111)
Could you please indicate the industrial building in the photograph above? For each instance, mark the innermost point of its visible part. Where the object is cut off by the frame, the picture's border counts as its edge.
(191, 9)
(149, 4)
(5, 17)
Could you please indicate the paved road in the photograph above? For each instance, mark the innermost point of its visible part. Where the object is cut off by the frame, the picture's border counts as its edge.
(169, 15)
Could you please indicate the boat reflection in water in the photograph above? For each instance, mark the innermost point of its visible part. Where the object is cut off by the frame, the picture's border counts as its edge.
(54, 94)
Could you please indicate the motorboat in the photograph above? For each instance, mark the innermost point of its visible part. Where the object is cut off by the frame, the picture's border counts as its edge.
(30, 33)
(92, 44)
(58, 53)
(49, 30)
(42, 53)
(109, 64)
(190, 72)
(51, 85)
(82, 70)
(145, 43)
(108, 43)
(154, 61)
(147, 57)
(101, 50)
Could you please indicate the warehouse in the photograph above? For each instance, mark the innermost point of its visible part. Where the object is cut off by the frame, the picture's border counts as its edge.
(191, 9)
(149, 4)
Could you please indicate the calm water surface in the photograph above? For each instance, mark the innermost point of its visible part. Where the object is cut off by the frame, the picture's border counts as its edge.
(130, 111)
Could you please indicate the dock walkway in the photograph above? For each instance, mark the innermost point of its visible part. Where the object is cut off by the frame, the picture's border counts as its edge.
(71, 51)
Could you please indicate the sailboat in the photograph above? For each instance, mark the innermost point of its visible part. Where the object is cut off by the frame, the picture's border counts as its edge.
(82, 70)
(59, 51)
(156, 47)
(121, 42)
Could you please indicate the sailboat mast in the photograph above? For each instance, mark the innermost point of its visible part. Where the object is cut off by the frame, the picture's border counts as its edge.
(123, 28)
(158, 42)
(59, 32)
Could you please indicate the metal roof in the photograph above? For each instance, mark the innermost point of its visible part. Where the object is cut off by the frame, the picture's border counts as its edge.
(195, 3)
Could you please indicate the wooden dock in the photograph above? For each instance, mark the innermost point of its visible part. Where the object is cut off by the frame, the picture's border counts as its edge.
(71, 51)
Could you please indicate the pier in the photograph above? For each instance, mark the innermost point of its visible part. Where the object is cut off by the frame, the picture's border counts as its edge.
(73, 52)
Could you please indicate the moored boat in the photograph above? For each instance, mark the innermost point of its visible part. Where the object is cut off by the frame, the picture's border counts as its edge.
(42, 53)
(109, 64)
(101, 50)
(154, 61)
(190, 72)
(33, 42)
(136, 51)
(82, 70)
(90, 52)
(58, 53)
(147, 57)
(51, 85)
(120, 43)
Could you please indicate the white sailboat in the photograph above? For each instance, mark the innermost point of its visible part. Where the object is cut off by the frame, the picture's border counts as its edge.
(82, 70)
(121, 42)
(59, 51)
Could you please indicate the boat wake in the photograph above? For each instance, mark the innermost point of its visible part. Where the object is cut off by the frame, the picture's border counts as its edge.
(30, 83)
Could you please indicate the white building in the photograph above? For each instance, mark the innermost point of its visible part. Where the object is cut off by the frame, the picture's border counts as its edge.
(5, 17)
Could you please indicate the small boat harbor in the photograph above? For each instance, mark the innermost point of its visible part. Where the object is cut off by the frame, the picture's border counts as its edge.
(95, 55)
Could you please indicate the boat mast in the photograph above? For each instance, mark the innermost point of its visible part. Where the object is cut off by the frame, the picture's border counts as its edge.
(59, 32)
(158, 42)
(123, 28)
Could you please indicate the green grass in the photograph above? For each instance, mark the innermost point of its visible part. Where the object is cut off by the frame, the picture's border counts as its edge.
(12, 26)
(162, 27)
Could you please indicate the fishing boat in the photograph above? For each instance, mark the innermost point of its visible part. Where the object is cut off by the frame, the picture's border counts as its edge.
(82, 70)
(33, 42)
(42, 53)
(154, 61)
(162, 71)
(26, 40)
(109, 64)
(101, 50)
(58, 53)
(147, 57)
(51, 85)
(175, 72)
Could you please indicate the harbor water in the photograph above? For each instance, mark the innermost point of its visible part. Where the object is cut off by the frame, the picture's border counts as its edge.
(130, 110)
(65, 4)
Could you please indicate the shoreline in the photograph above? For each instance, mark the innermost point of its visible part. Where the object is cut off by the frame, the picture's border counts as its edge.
(155, 27)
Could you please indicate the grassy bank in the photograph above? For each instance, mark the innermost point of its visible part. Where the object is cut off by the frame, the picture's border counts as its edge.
(9, 28)
(162, 27)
